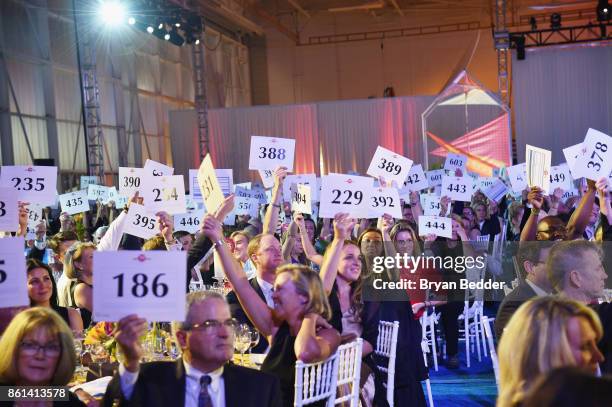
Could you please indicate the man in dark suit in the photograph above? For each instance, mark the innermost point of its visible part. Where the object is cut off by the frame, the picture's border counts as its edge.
(265, 252)
(202, 377)
(533, 256)
(576, 271)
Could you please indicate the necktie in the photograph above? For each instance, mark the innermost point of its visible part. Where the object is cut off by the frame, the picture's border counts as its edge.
(204, 400)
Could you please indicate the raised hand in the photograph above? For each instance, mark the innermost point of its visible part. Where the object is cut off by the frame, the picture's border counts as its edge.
(127, 333)
(343, 226)
(136, 198)
(385, 223)
(536, 197)
(225, 208)
(279, 176)
(166, 226)
(557, 195)
(298, 219)
(212, 229)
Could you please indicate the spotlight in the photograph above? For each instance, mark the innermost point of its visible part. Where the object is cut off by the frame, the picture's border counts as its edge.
(177, 25)
(603, 11)
(197, 41)
(160, 26)
(555, 21)
(150, 29)
(534, 24)
(174, 37)
(112, 12)
(131, 21)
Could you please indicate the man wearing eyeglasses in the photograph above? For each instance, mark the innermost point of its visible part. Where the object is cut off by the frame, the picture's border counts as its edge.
(202, 377)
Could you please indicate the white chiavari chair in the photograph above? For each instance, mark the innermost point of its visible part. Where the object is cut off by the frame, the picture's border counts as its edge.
(316, 381)
(386, 346)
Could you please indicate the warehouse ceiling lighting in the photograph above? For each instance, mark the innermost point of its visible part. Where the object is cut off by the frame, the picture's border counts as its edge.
(112, 12)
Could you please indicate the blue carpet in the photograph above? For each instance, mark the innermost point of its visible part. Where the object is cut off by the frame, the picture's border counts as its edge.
(464, 387)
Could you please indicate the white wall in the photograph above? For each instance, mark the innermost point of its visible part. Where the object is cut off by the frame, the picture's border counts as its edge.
(353, 70)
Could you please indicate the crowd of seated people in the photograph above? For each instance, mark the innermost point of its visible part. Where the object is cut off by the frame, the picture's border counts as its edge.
(303, 283)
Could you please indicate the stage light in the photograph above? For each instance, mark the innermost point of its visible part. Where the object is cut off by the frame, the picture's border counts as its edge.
(167, 36)
(534, 24)
(112, 12)
(150, 29)
(175, 37)
(177, 25)
(197, 41)
(160, 26)
(555, 21)
(603, 11)
(131, 21)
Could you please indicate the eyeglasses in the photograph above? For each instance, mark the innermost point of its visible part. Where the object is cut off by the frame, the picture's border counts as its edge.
(211, 325)
(31, 349)
(403, 242)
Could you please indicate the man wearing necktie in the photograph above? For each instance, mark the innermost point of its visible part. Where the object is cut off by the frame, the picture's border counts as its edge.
(203, 376)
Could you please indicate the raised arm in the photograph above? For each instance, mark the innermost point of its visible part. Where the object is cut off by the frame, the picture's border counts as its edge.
(343, 225)
(257, 310)
(271, 217)
(604, 199)
(415, 204)
(309, 249)
(290, 239)
(535, 198)
(580, 218)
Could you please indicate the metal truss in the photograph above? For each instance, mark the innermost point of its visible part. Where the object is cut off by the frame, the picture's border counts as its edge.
(90, 93)
(393, 33)
(201, 102)
(567, 35)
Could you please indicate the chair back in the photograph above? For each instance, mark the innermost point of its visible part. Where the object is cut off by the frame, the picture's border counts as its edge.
(316, 381)
(487, 330)
(349, 372)
(386, 346)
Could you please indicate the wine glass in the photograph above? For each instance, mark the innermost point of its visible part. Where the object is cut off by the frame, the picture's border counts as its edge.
(254, 339)
(243, 340)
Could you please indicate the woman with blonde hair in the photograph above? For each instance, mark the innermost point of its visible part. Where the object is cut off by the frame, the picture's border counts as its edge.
(546, 333)
(37, 350)
(78, 265)
(296, 327)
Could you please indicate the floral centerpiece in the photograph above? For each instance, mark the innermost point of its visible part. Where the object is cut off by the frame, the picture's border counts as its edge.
(101, 334)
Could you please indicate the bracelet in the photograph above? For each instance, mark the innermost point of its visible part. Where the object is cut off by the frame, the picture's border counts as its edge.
(220, 242)
(276, 205)
(171, 242)
(535, 211)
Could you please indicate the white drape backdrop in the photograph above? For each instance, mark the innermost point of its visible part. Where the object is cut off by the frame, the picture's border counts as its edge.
(558, 93)
(330, 137)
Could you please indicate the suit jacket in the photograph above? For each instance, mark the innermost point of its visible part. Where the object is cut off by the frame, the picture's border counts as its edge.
(490, 227)
(199, 248)
(510, 304)
(163, 384)
(239, 313)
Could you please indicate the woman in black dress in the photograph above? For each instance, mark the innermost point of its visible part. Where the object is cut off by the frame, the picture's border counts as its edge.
(43, 293)
(296, 328)
(78, 264)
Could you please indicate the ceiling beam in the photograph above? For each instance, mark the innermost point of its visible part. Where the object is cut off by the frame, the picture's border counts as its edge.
(261, 12)
(299, 8)
(397, 8)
